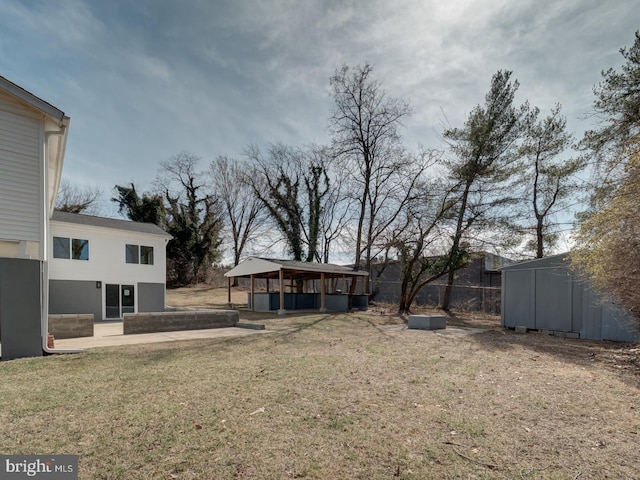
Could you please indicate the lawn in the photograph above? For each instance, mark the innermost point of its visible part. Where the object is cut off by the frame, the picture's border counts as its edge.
(343, 396)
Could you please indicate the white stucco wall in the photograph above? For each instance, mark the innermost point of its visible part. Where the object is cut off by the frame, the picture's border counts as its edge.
(107, 261)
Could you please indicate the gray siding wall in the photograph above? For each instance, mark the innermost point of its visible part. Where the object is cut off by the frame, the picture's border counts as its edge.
(544, 295)
(265, 302)
(20, 312)
(151, 297)
(518, 297)
(75, 296)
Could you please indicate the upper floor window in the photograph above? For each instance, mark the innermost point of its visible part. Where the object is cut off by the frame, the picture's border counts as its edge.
(131, 253)
(146, 255)
(139, 254)
(70, 248)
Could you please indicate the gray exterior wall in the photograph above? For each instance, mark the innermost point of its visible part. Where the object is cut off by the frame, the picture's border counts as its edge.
(265, 302)
(545, 295)
(20, 308)
(75, 296)
(151, 297)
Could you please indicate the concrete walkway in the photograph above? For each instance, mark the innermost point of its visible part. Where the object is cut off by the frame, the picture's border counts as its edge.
(109, 334)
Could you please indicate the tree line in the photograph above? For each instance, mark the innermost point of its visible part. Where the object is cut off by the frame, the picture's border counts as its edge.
(508, 179)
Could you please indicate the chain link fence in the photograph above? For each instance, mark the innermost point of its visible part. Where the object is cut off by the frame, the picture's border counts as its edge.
(463, 297)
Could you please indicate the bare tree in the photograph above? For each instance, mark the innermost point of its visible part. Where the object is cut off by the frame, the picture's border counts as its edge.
(76, 199)
(365, 126)
(292, 184)
(336, 213)
(243, 208)
(417, 238)
(608, 243)
(194, 218)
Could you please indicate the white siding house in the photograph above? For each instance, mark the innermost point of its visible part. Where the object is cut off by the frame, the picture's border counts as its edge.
(33, 136)
(105, 266)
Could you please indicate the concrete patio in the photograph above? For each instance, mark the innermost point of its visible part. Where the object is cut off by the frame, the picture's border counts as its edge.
(109, 334)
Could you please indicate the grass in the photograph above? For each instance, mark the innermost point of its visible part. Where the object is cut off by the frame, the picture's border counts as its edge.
(333, 396)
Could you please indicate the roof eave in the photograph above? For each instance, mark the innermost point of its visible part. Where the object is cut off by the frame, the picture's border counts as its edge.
(35, 102)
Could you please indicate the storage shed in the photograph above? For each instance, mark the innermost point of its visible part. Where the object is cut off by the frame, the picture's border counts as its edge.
(544, 294)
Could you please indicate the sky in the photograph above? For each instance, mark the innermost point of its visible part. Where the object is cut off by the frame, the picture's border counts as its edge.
(143, 80)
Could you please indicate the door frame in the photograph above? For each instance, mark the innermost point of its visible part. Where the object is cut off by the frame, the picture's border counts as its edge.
(122, 288)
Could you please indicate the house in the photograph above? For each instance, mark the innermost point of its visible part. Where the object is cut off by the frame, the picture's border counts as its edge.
(33, 137)
(105, 266)
(545, 294)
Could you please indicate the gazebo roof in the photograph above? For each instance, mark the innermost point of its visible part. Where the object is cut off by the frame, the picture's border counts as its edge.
(270, 268)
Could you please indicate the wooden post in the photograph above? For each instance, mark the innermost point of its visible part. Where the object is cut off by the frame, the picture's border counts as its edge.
(252, 292)
(229, 305)
(323, 305)
(281, 310)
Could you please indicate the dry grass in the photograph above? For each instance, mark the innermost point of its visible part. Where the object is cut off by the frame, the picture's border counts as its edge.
(333, 396)
(205, 296)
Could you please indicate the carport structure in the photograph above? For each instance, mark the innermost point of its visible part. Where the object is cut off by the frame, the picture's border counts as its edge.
(307, 284)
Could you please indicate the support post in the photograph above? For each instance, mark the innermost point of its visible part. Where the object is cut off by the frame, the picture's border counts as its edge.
(229, 304)
(251, 289)
(323, 289)
(281, 310)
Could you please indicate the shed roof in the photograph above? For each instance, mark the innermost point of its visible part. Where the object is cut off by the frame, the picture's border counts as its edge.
(545, 262)
(270, 268)
(127, 225)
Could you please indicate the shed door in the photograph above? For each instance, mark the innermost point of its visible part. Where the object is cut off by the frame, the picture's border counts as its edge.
(553, 299)
(517, 310)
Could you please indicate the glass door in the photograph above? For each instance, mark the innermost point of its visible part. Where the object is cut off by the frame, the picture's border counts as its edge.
(119, 299)
(112, 301)
(128, 299)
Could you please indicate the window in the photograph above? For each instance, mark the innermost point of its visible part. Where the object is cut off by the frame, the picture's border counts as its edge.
(74, 248)
(139, 254)
(132, 253)
(61, 247)
(146, 255)
(80, 249)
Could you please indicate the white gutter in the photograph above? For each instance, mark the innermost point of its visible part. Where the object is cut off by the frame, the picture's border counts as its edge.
(48, 207)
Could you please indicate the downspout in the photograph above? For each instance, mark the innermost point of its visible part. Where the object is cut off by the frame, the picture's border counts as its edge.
(44, 269)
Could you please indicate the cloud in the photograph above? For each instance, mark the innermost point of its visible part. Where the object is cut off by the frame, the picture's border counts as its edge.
(144, 80)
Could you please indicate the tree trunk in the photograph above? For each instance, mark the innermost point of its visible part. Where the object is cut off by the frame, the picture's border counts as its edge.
(455, 248)
(539, 239)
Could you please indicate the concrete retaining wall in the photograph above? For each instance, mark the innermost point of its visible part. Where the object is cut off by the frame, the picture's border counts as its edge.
(178, 320)
(71, 325)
